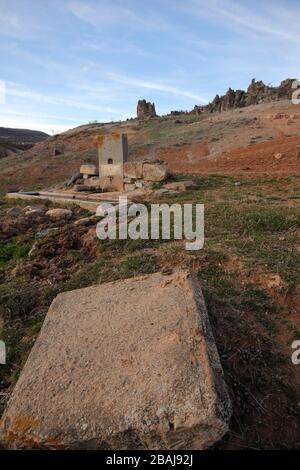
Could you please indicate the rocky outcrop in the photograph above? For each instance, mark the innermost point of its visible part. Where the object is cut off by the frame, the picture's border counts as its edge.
(145, 109)
(256, 93)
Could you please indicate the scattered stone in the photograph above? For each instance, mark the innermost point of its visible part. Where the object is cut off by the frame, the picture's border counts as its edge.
(88, 169)
(145, 109)
(35, 212)
(237, 183)
(129, 186)
(181, 185)
(46, 232)
(165, 192)
(278, 156)
(92, 182)
(84, 222)
(59, 214)
(14, 212)
(139, 184)
(154, 172)
(130, 364)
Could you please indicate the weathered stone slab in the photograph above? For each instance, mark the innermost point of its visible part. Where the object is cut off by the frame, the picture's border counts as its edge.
(133, 170)
(154, 172)
(88, 169)
(130, 364)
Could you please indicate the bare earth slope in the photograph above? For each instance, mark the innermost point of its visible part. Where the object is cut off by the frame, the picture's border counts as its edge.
(241, 141)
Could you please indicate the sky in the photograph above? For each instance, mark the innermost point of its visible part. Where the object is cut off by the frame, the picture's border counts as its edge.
(64, 63)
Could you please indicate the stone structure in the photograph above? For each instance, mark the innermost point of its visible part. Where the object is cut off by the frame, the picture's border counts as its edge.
(131, 364)
(89, 170)
(138, 175)
(115, 172)
(145, 110)
(112, 154)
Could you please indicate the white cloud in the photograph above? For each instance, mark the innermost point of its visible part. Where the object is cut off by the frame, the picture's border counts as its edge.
(108, 13)
(237, 16)
(17, 90)
(19, 22)
(39, 116)
(150, 85)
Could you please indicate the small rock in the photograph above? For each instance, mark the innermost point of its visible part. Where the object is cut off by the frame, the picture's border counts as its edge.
(34, 212)
(165, 192)
(59, 214)
(47, 231)
(278, 156)
(139, 184)
(180, 185)
(14, 212)
(84, 222)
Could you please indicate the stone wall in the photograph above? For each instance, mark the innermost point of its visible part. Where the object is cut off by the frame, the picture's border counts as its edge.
(132, 175)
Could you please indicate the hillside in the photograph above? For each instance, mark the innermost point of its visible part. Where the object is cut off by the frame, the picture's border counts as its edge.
(15, 140)
(245, 164)
(244, 141)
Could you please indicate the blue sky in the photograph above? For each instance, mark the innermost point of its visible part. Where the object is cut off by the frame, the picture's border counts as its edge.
(68, 62)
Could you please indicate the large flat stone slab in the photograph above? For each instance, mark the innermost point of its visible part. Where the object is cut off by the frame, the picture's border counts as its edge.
(130, 364)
